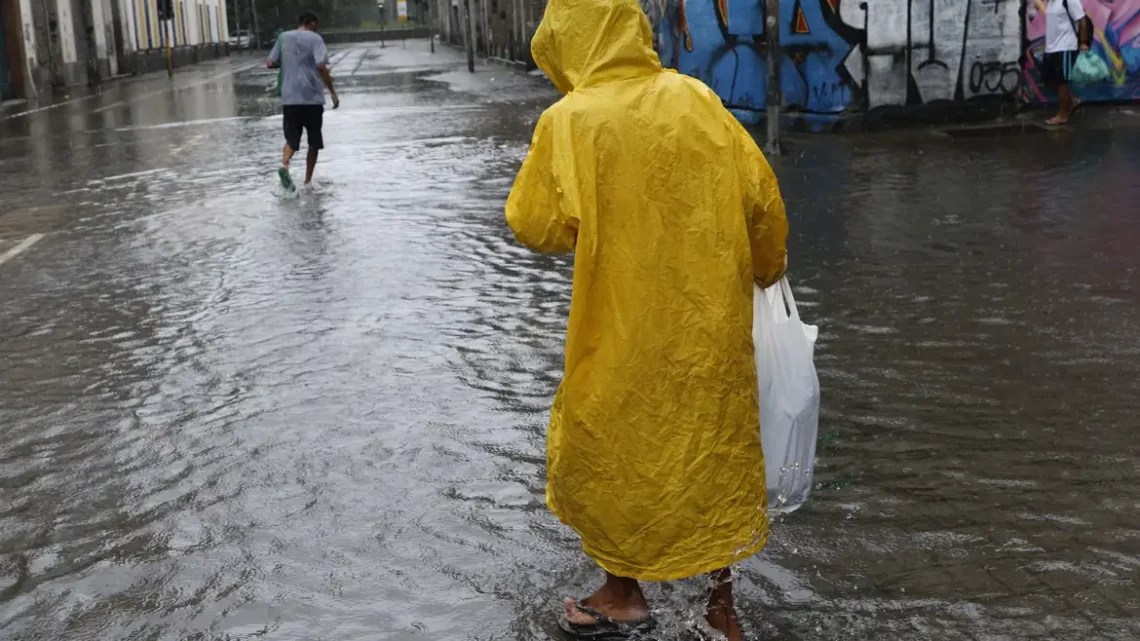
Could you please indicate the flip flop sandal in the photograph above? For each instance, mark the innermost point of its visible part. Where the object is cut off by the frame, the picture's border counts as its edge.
(286, 179)
(604, 628)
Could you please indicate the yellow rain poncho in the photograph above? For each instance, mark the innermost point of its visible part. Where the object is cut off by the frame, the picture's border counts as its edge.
(671, 210)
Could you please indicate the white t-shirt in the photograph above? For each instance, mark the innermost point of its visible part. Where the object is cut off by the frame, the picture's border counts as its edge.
(1059, 31)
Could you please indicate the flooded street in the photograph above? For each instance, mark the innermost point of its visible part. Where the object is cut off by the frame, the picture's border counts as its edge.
(230, 414)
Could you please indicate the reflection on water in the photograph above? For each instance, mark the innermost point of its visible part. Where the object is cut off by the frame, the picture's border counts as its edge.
(230, 415)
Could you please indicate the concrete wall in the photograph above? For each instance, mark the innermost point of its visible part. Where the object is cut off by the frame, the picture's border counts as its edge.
(838, 56)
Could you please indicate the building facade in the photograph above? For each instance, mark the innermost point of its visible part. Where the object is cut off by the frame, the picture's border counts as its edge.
(48, 45)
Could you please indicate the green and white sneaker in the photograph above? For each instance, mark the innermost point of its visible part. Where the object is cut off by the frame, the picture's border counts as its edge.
(286, 179)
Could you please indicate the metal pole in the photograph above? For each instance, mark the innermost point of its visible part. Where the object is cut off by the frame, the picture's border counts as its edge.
(488, 51)
(772, 27)
(256, 34)
(237, 24)
(517, 52)
(470, 35)
(431, 36)
(166, 45)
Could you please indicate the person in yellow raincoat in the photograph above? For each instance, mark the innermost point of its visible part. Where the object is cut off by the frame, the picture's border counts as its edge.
(672, 213)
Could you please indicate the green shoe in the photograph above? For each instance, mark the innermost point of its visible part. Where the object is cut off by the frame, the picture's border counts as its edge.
(286, 179)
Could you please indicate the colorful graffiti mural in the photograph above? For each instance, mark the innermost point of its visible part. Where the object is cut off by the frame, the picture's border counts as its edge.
(839, 55)
(722, 42)
(1116, 30)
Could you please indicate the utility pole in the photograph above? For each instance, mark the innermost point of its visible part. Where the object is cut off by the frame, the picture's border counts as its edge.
(519, 43)
(237, 25)
(486, 29)
(169, 24)
(772, 29)
(256, 33)
(383, 22)
(470, 34)
(165, 10)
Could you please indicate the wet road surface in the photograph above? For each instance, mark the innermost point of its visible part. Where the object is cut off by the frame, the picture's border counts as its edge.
(229, 414)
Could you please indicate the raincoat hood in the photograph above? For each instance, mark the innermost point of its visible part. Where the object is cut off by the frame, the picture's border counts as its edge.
(580, 43)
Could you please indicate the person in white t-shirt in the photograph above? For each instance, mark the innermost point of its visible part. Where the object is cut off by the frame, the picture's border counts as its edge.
(1062, 42)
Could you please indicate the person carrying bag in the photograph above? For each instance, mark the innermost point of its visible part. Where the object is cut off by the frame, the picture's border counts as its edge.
(1068, 31)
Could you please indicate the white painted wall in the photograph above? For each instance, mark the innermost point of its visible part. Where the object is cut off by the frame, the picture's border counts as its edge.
(66, 31)
(224, 32)
(213, 32)
(29, 31)
(97, 20)
(193, 20)
(127, 11)
(108, 28)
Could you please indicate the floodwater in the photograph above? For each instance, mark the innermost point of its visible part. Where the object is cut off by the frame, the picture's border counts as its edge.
(228, 414)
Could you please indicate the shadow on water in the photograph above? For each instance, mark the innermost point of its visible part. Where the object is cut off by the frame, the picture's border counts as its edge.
(228, 414)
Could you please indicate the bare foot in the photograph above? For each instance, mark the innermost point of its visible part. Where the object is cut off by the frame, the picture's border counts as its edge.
(723, 620)
(628, 614)
(619, 599)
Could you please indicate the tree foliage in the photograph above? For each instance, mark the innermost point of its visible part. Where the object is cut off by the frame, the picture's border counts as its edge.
(270, 16)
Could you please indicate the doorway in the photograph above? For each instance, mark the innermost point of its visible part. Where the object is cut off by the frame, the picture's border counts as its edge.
(11, 51)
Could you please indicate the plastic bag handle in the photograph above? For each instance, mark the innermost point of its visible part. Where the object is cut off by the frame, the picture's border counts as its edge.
(789, 299)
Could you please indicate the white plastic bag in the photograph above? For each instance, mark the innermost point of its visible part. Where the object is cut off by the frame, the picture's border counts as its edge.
(789, 395)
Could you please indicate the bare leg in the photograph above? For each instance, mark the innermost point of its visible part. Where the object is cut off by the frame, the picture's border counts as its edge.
(619, 599)
(311, 164)
(1067, 103)
(287, 155)
(721, 612)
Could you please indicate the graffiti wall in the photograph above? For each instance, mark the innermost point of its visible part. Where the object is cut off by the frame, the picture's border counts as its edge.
(918, 51)
(1116, 39)
(839, 55)
(722, 42)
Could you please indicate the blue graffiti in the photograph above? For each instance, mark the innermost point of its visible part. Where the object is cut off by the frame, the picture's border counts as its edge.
(722, 43)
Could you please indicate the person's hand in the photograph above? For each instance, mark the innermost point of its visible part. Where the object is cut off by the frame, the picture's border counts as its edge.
(336, 101)
(1084, 48)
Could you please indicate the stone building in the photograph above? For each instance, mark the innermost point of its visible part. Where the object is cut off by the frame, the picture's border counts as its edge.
(48, 45)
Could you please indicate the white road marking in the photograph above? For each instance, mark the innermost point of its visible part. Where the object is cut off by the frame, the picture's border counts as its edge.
(113, 105)
(20, 248)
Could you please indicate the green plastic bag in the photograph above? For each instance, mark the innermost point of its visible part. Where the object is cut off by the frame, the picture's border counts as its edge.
(1089, 69)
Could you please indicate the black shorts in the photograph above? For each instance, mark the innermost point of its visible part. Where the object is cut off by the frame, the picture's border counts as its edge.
(307, 117)
(1057, 67)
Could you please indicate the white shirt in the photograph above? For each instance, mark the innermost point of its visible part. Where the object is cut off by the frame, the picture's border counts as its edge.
(1059, 32)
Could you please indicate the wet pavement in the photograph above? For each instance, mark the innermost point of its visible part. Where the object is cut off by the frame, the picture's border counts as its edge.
(229, 414)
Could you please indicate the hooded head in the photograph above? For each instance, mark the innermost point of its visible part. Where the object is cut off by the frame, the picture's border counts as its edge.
(588, 42)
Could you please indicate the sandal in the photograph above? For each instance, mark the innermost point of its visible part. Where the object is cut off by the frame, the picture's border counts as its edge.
(604, 628)
(1056, 122)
